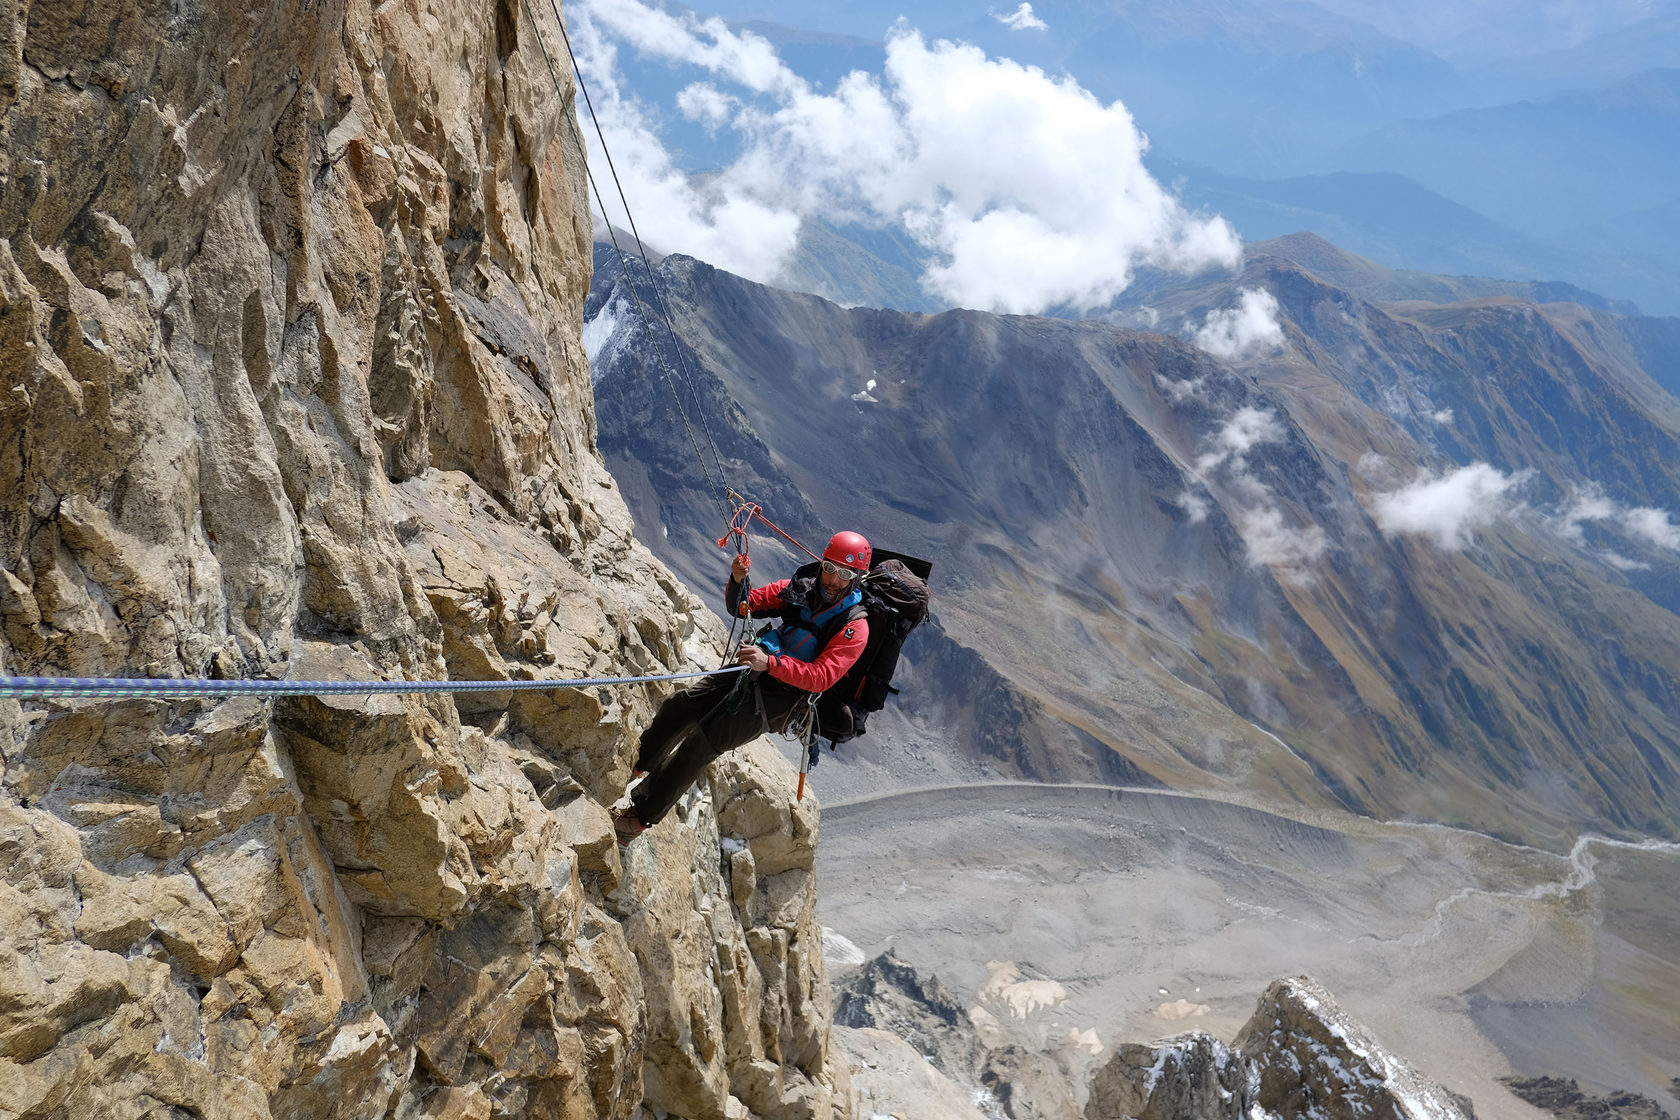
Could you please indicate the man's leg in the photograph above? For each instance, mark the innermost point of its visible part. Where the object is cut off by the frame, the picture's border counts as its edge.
(717, 734)
(677, 717)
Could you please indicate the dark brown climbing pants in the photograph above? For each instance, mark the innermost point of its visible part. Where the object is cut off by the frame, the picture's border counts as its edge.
(696, 726)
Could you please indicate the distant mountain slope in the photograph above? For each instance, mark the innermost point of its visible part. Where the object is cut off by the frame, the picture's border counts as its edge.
(1572, 169)
(1647, 44)
(1656, 344)
(1402, 223)
(1152, 561)
(1373, 281)
(856, 266)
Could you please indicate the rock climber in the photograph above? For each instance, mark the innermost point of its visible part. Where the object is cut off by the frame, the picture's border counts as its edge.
(823, 631)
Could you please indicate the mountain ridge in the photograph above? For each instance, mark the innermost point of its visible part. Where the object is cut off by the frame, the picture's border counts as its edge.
(1010, 447)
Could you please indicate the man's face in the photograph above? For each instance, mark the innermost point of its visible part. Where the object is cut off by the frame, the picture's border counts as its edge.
(834, 583)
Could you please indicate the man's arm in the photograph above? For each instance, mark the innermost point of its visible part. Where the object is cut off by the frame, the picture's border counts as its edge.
(840, 654)
(759, 600)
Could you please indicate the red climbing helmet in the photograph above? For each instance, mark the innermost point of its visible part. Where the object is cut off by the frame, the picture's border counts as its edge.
(848, 549)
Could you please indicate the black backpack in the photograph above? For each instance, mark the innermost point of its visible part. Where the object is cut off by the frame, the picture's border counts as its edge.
(895, 599)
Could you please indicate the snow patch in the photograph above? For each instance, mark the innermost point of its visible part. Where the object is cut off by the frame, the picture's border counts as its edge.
(598, 336)
(839, 949)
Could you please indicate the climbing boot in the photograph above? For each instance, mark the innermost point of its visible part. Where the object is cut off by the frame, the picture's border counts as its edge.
(627, 825)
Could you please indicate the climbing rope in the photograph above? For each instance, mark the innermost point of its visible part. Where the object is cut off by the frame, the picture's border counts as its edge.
(21, 688)
(624, 264)
(745, 512)
(740, 620)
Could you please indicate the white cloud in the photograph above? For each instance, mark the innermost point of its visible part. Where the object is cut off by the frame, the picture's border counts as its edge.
(1250, 327)
(1270, 540)
(1274, 544)
(1654, 526)
(1195, 505)
(707, 104)
(743, 234)
(1246, 428)
(1062, 218)
(1022, 19)
(1447, 508)
(1180, 391)
(1589, 505)
(1617, 560)
(745, 58)
(1377, 469)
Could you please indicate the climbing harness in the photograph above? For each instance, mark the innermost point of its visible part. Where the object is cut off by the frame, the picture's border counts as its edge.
(43, 688)
(745, 689)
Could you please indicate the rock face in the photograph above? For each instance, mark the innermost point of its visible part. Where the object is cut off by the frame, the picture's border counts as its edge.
(1300, 1056)
(1008, 1053)
(887, 994)
(721, 914)
(290, 300)
(892, 1078)
(1563, 1098)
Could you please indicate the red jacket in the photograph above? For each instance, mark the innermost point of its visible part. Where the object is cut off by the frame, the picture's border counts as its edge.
(830, 664)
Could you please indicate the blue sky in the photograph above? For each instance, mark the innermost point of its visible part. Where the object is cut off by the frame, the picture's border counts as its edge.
(1029, 191)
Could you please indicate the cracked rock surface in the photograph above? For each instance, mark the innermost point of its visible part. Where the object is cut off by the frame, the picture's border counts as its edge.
(293, 387)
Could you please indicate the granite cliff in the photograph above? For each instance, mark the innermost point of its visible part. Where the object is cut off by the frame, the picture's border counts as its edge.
(290, 301)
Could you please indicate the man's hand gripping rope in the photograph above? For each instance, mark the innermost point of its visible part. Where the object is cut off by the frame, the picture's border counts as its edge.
(752, 655)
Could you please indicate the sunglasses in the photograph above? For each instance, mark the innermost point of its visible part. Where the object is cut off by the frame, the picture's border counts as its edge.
(830, 568)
